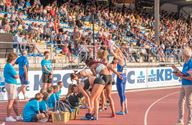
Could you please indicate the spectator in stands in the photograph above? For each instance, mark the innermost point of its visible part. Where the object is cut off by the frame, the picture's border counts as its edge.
(47, 71)
(8, 5)
(130, 27)
(66, 52)
(11, 77)
(18, 39)
(76, 37)
(2, 5)
(27, 4)
(23, 63)
(7, 27)
(32, 43)
(4, 20)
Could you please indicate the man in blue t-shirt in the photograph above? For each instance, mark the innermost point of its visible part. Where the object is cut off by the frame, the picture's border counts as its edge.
(23, 63)
(47, 72)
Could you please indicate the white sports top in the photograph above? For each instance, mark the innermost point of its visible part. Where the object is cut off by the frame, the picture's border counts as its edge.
(99, 68)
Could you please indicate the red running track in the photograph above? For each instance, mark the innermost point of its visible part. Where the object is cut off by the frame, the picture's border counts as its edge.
(149, 107)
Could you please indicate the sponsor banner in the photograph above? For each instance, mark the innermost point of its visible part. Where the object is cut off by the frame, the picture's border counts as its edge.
(135, 78)
(35, 83)
(159, 77)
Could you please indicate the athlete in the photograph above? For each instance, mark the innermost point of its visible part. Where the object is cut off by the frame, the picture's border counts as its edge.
(121, 83)
(97, 85)
(84, 85)
(103, 71)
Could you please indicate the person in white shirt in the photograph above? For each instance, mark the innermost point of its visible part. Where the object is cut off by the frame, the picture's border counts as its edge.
(18, 39)
(111, 44)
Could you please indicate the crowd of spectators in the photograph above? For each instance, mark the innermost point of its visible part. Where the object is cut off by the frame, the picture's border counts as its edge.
(68, 27)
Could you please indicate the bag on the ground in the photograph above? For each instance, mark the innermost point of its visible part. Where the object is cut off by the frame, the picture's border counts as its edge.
(73, 101)
(62, 106)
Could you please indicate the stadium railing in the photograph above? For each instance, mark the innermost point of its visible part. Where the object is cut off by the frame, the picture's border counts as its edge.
(135, 58)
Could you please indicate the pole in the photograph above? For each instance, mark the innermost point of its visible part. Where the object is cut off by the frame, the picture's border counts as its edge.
(157, 20)
(94, 49)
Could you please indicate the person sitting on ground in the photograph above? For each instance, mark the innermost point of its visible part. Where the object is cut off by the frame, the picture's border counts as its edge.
(43, 90)
(60, 84)
(43, 105)
(31, 111)
(53, 98)
(72, 96)
(50, 91)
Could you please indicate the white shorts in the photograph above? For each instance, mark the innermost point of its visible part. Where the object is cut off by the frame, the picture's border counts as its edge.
(11, 91)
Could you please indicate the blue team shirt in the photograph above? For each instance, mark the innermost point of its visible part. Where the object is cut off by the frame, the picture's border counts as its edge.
(22, 61)
(47, 64)
(186, 67)
(9, 74)
(52, 101)
(43, 106)
(30, 110)
(27, 4)
(58, 94)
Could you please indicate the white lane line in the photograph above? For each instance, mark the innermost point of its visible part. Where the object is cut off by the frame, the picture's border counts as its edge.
(158, 100)
(148, 89)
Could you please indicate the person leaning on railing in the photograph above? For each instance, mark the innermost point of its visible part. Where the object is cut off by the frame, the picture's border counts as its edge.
(186, 89)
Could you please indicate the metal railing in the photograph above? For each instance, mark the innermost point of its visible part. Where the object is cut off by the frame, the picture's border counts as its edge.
(133, 55)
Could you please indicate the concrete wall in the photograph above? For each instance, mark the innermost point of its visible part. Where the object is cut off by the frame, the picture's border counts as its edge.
(169, 7)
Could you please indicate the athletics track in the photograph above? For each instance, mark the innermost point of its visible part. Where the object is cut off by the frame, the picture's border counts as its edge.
(148, 107)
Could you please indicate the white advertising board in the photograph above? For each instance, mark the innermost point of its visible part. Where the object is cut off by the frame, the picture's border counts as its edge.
(136, 78)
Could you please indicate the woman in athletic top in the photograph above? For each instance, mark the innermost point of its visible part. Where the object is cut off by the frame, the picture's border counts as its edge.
(84, 85)
(96, 85)
(103, 71)
(121, 83)
(83, 73)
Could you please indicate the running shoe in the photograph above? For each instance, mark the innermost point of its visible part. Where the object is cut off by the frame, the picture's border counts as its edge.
(84, 107)
(10, 119)
(120, 113)
(89, 116)
(19, 118)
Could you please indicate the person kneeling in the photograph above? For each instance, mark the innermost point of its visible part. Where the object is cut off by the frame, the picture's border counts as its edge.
(31, 111)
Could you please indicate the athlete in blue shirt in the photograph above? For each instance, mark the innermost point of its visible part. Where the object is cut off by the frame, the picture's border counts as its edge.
(47, 72)
(10, 76)
(23, 63)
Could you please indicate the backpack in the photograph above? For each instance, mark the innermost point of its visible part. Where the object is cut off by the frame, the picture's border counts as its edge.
(62, 106)
(73, 101)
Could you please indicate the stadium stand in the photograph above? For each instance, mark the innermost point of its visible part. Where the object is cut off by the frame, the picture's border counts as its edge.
(67, 30)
